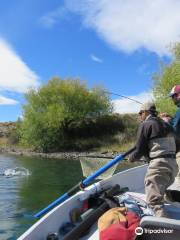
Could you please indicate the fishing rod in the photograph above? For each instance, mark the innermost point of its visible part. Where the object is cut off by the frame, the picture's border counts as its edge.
(123, 97)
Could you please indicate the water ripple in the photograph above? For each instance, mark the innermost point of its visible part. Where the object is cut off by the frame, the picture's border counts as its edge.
(17, 171)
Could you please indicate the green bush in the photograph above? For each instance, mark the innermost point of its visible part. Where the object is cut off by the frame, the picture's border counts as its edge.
(107, 132)
(50, 110)
(95, 127)
(104, 131)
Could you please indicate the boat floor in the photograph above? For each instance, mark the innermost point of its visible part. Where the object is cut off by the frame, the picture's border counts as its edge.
(172, 208)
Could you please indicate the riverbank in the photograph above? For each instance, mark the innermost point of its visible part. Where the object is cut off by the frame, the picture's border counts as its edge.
(57, 155)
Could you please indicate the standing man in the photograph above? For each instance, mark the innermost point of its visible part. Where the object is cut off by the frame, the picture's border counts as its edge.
(175, 122)
(156, 141)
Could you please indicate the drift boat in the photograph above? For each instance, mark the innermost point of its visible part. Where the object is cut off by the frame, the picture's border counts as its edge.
(48, 227)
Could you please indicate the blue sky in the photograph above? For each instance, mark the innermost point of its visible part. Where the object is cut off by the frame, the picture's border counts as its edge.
(115, 44)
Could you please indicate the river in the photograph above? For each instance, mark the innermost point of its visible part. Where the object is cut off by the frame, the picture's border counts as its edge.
(23, 195)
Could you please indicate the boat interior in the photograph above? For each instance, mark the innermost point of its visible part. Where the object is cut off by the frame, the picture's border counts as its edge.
(150, 222)
(171, 225)
(131, 178)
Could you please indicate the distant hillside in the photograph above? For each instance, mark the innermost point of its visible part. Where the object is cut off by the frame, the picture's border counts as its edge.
(6, 128)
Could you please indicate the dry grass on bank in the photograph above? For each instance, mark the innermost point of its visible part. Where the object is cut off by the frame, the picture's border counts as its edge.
(3, 141)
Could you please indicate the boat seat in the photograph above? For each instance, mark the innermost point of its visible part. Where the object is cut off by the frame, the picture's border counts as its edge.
(159, 228)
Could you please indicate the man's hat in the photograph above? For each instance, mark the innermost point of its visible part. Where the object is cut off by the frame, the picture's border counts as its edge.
(174, 90)
(148, 106)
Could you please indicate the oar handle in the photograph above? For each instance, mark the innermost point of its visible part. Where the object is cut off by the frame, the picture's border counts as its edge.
(128, 152)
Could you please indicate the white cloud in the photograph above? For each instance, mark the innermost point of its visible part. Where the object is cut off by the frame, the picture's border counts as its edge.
(15, 75)
(96, 59)
(47, 21)
(132, 24)
(7, 101)
(51, 18)
(124, 105)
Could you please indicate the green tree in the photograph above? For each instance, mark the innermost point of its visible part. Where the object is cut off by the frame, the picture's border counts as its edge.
(50, 109)
(168, 76)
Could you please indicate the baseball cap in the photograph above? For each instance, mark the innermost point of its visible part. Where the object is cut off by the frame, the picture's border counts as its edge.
(148, 106)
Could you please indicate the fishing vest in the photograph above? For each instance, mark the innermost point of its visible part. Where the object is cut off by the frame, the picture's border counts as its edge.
(163, 145)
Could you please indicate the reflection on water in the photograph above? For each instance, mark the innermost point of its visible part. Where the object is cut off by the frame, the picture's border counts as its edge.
(22, 196)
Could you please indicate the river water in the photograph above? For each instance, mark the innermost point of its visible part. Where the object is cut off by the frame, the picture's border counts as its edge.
(22, 195)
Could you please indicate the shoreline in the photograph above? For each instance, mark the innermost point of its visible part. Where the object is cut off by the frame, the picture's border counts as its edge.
(74, 155)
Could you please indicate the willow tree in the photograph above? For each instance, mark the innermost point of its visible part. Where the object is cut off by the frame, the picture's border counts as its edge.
(168, 76)
(50, 109)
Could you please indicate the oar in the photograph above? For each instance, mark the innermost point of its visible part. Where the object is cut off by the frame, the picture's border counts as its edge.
(84, 183)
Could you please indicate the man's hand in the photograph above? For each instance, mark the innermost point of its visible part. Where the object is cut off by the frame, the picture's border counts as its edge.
(165, 116)
(131, 159)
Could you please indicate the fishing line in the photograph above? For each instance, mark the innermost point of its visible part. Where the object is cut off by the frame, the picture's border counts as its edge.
(123, 97)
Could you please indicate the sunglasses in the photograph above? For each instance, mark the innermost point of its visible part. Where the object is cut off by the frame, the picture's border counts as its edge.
(141, 112)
